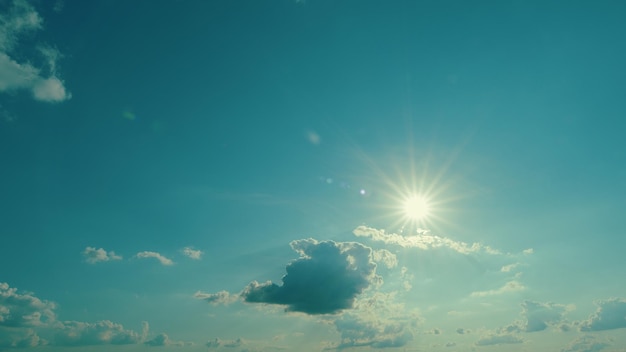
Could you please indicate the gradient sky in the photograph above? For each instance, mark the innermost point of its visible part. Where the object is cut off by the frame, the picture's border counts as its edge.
(232, 175)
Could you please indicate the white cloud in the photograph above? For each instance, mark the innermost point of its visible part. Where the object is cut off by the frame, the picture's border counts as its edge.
(423, 240)
(585, 343)
(509, 268)
(164, 340)
(511, 286)
(23, 309)
(193, 253)
(76, 333)
(20, 19)
(163, 260)
(222, 297)
(93, 255)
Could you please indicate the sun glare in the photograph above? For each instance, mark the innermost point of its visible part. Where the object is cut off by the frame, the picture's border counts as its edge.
(416, 208)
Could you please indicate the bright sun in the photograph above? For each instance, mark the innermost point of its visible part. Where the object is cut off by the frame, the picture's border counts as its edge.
(416, 208)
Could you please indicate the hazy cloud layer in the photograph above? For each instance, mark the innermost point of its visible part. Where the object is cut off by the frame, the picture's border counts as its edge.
(93, 255)
(611, 314)
(42, 80)
(498, 340)
(163, 260)
(511, 286)
(324, 280)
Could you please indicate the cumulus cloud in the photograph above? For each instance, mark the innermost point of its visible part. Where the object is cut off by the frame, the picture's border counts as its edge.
(76, 333)
(324, 280)
(222, 297)
(611, 314)
(585, 343)
(164, 340)
(20, 338)
(192, 253)
(498, 340)
(23, 309)
(539, 315)
(93, 255)
(19, 20)
(385, 257)
(163, 260)
(511, 286)
(422, 240)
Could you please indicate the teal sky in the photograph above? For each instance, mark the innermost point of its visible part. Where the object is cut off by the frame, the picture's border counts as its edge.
(312, 175)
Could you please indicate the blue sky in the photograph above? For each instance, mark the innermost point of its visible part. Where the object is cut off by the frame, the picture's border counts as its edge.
(312, 175)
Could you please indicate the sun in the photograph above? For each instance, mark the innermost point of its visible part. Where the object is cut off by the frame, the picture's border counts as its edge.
(416, 208)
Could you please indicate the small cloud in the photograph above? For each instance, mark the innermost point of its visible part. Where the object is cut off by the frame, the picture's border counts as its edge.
(222, 297)
(498, 340)
(324, 280)
(225, 343)
(528, 251)
(93, 255)
(509, 268)
(611, 314)
(511, 286)
(164, 340)
(192, 253)
(163, 260)
(313, 137)
(462, 331)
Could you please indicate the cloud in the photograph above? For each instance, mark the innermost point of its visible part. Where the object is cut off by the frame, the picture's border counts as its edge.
(585, 343)
(23, 309)
(383, 256)
(222, 297)
(163, 260)
(20, 338)
(225, 343)
(539, 315)
(324, 280)
(511, 286)
(20, 19)
(193, 253)
(509, 268)
(93, 255)
(76, 333)
(498, 340)
(374, 332)
(611, 314)
(462, 331)
(423, 240)
(164, 340)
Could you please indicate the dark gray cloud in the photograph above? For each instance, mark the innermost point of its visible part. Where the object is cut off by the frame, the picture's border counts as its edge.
(611, 314)
(324, 280)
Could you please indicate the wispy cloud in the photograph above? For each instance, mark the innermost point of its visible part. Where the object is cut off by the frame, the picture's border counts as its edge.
(422, 240)
(93, 255)
(505, 339)
(162, 259)
(21, 18)
(222, 297)
(511, 286)
(192, 253)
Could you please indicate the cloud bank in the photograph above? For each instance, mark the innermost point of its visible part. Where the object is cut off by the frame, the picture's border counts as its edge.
(324, 280)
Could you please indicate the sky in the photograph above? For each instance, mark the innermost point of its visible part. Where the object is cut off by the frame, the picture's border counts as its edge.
(312, 175)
